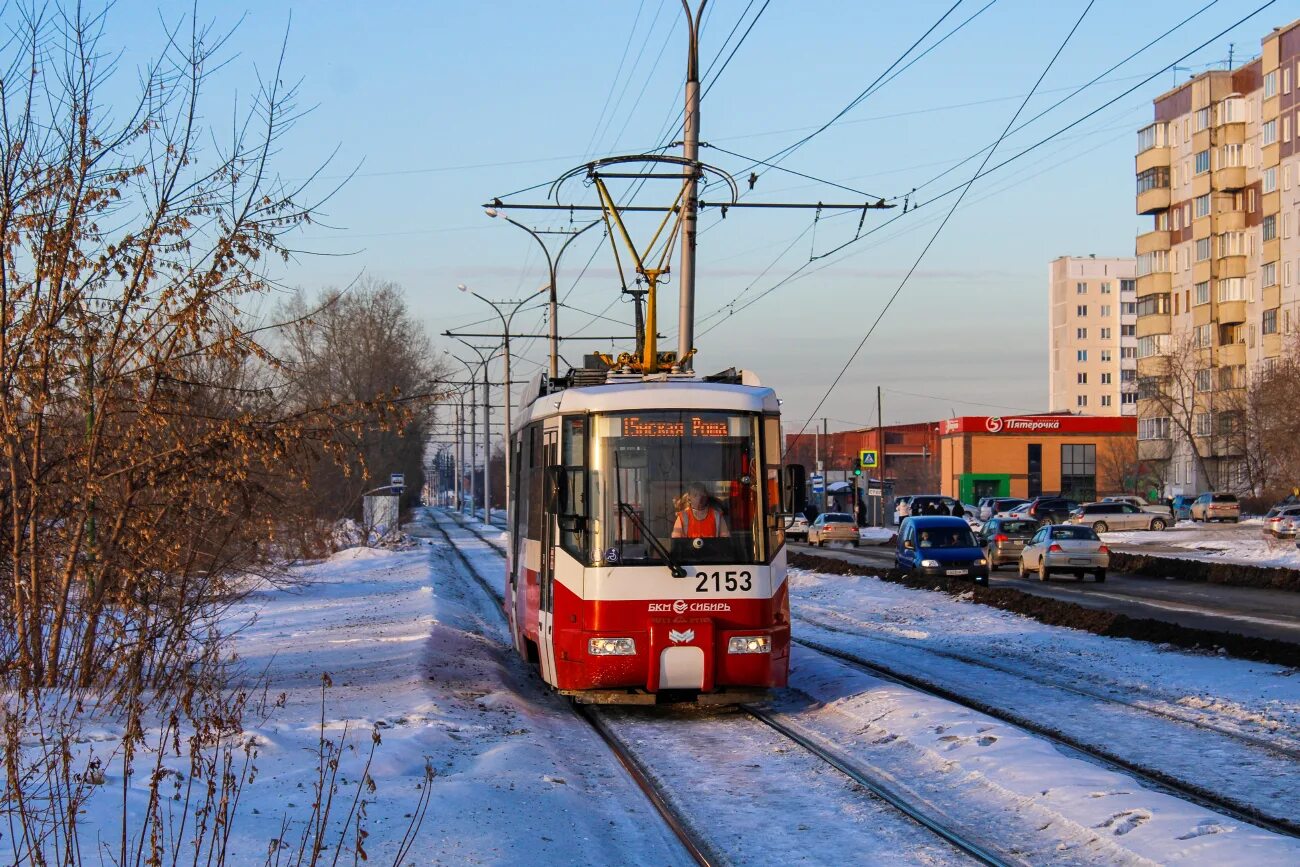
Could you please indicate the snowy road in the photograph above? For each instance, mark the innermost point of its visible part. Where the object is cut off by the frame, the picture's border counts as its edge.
(1248, 610)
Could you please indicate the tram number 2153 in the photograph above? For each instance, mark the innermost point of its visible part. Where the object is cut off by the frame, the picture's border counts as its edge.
(730, 581)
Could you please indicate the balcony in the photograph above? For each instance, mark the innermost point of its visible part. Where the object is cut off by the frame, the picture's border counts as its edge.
(1153, 200)
(1232, 313)
(1232, 266)
(1270, 345)
(1152, 365)
(1152, 242)
(1229, 179)
(1151, 158)
(1153, 323)
(1157, 281)
(1232, 354)
(1230, 221)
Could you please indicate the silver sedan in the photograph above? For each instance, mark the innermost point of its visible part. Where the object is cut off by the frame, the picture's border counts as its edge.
(1065, 548)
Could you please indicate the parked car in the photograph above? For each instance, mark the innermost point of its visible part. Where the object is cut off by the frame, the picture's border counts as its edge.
(991, 506)
(1278, 522)
(1049, 510)
(937, 546)
(1290, 527)
(1183, 507)
(796, 527)
(902, 508)
(1065, 548)
(1004, 538)
(1162, 508)
(833, 527)
(1105, 516)
(1213, 506)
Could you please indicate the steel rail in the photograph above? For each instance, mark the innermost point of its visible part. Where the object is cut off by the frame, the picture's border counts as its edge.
(921, 817)
(1154, 778)
(695, 848)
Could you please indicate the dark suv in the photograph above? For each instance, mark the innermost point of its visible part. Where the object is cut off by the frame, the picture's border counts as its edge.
(1050, 510)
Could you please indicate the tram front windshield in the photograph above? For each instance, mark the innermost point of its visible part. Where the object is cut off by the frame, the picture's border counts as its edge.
(690, 480)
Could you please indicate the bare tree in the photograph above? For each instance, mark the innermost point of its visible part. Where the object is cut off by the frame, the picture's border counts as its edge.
(1266, 417)
(1181, 388)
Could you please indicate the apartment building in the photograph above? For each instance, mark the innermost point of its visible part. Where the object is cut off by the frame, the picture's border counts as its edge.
(1092, 337)
(1216, 273)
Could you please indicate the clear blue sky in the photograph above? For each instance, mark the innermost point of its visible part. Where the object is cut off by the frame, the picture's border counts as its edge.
(440, 106)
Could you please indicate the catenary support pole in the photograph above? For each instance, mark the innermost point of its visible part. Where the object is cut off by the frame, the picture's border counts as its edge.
(690, 203)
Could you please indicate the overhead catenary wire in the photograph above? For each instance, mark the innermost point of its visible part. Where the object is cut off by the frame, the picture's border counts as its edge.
(933, 238)
(1145, 80)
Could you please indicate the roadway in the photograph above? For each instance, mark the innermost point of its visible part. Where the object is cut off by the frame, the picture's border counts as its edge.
(1250, 611)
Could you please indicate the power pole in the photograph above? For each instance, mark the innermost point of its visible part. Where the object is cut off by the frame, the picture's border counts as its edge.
(690, 203)
(880, 441)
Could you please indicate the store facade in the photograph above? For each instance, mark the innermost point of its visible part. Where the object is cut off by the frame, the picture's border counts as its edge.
(1077, 456)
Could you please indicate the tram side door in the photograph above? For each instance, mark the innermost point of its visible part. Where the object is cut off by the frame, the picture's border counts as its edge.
(546, 572)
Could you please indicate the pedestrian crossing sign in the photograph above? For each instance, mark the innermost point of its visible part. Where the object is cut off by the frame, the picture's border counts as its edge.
(868, 457)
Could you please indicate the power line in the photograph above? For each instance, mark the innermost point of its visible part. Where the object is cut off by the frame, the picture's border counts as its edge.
(924, 250)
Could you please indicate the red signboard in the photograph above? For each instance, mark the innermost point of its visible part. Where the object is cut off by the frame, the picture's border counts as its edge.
(1030, 425)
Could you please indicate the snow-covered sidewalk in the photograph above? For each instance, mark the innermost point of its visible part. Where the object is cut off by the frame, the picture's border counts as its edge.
(1243, 543)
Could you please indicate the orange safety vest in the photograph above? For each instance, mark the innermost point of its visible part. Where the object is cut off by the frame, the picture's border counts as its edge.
(701, 528)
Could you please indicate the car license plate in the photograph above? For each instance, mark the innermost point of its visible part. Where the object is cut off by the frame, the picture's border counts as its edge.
(955, 572)
(1079, 561)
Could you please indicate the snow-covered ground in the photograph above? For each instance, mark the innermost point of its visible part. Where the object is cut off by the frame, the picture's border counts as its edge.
(1222, 543)
(417, 651)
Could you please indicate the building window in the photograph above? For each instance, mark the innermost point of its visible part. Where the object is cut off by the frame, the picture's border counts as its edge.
(1232, 244)
(1268, 274)
(1202, 249)
(1081, 310)
(1079, 471)
(1128, 308)
(1202, 162)
(1268, 133)
(1127, 285)
(1202, 204)
(1201, 336)
(1080, 288)
(1105, 378)
(1155, 262)
(1270, 180)
(1105, 400)
(1128, 375)
(1153, 428)
(1105, 288)
(1153, 179)
(1105, 355)
(1081, 333)
(1203, 292)
(1268, 226)
(1128, 397)
(1105, 310)
(1149, 305)
(1105, 334)
(1152, 136)
(1269, 324)
(1231, 156)
(1081, 378)
(1128, 351)
(1286, 273)
(1232, 289)
(1270, 84)
(1127, 330)
(1204, 379)
(1202, 118)
(1081, 355)
(1081, 400)
(1203, 424)
(1150, 345)
(1233, 376)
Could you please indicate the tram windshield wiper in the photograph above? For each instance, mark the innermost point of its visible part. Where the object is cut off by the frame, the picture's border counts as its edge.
(673, 566)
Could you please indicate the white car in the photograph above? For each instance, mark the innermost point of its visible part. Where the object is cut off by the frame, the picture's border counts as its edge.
(796, 527)
(1058, 548)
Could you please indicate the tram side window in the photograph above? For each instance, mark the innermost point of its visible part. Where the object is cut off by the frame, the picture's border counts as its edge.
(519, 470)
(536, 479)
(772, 491)
(573, 457)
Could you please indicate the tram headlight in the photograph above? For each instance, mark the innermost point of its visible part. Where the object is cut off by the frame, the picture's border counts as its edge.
(611, 646)
(749, 644)
(929, 564)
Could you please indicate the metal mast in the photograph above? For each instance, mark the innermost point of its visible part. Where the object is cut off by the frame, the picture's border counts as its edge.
(690, 204)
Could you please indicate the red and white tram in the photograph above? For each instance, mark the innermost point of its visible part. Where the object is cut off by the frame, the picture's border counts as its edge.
(602, 595)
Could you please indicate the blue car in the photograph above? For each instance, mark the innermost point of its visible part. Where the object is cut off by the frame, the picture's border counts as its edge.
(936, 546)
(1183, 507)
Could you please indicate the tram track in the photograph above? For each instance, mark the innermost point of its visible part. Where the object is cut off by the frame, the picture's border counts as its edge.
(701, 852)
(1153, 777)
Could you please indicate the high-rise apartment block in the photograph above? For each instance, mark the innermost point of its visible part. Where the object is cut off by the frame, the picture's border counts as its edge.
(1092, 339)
(1216, 273)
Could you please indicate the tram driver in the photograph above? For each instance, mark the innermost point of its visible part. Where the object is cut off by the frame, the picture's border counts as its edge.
(702, 516)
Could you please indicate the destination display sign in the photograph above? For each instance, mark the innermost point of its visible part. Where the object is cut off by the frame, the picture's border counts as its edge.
(692, 426)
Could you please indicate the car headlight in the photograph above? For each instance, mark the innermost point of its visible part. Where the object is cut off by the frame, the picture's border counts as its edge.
(749, 644)
(981, 562)
(611, 646)
(929, 564)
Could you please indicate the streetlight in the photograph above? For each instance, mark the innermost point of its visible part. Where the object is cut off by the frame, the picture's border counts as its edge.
(484, 360)
(496, 306)
(551, 264)
(473, 437)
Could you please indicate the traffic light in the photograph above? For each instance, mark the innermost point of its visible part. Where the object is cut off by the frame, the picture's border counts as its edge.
(857, 466)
